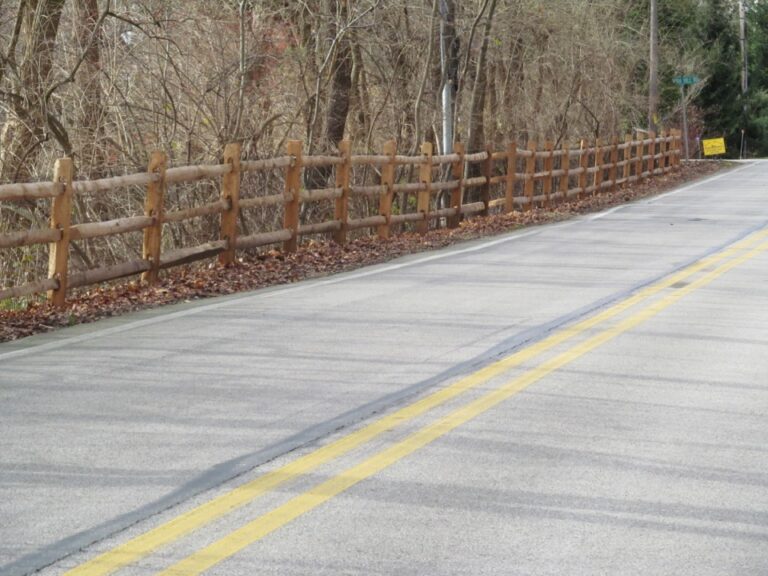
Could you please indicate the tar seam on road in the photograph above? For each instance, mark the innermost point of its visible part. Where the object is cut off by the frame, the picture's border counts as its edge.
(264, 525)
(166, 533)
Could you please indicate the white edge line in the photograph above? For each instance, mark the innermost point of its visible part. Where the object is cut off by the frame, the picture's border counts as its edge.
(699, 183)
(606, 213)
(327, 282)
(655, 199)
(278, 291)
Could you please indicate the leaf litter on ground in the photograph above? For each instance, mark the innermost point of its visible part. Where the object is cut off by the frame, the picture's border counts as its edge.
(315, 258)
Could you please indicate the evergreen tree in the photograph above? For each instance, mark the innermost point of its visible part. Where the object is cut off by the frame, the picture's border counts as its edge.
(720, 98)
(757, 101)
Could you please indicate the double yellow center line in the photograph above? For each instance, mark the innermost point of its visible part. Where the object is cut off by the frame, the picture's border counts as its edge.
(177, 528)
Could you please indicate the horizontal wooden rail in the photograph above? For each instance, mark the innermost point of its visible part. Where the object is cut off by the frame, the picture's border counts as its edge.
(110, 228)
(267, 164)
(192, 173)
(271, 200)
(188, 255)
(263, 239)
(29, 238)
(205, 210)
(29, 289)
(107, 184)
(320, 228)
(550, 175)
(97, 275)
(30, 191)
(370, 222)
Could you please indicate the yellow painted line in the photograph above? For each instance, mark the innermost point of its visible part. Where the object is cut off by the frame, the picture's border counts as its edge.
(257, 529)
(182, 525)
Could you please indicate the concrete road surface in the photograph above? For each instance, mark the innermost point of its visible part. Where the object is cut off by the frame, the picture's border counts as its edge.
(588, 398)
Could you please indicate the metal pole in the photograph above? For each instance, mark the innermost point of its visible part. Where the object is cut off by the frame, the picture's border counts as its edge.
(685, 122)
(744, 74)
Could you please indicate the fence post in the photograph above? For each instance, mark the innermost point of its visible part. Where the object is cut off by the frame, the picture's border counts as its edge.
(154, 208)
(665, 147)
(485, 191)
(293, 195)
(584, 166)
(565, 166)
(424, 196)
(639, 158)
(614, 162)
(549, 163)
(530, 171)
(509, 191)
(652, 154)
(457, 194)
(675, 162)
(342, 181)
(388, 180)
(597, 180)
(627, 157)
(230, 192)
(61, 219)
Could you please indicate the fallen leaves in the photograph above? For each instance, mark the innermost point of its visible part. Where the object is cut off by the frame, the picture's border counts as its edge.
(313, 259)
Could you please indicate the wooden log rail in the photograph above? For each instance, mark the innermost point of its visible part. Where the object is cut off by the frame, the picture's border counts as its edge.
(516, 178)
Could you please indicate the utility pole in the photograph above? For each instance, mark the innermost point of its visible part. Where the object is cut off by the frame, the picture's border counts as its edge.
(449, 67)
(685, 122)
(653, 83)
(744, 75)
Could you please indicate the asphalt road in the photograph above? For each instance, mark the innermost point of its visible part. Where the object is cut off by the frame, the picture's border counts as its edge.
(585, 398)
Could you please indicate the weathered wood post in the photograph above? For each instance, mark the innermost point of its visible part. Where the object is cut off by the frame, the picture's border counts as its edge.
(676, 147)
(388, 180)
(652, 154)
(549, 162)
(597, 180)
(639, 158)
(343, 171)
(627, 157)
(583, 166)
(293, 195)
(457, 194)
(530, 171)
(425, 194)
(230, 193)
(614, 162)
(154, 208)
(565, 166)
(485, 190)
(61, 219)
(664, 152)
(509, 190)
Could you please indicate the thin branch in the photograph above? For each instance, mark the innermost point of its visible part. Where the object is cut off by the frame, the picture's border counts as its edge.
(475, 23)
(241, 87)
(91, 41)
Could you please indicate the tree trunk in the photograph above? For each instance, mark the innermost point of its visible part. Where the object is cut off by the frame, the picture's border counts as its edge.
(449, 60)
(24, 128)
(89, 150)
(340, 91)
(476, 140)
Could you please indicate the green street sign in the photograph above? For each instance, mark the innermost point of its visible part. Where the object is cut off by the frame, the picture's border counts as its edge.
(685, 80)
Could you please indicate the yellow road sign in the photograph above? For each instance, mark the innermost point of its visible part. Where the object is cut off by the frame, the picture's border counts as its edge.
(713, 146)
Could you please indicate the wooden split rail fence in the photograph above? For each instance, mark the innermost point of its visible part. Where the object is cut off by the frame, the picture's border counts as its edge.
(508, 180)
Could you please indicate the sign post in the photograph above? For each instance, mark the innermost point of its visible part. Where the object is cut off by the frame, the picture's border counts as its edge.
(684, 81)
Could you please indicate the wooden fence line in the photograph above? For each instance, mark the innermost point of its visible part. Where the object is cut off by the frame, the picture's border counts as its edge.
(580, 171)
